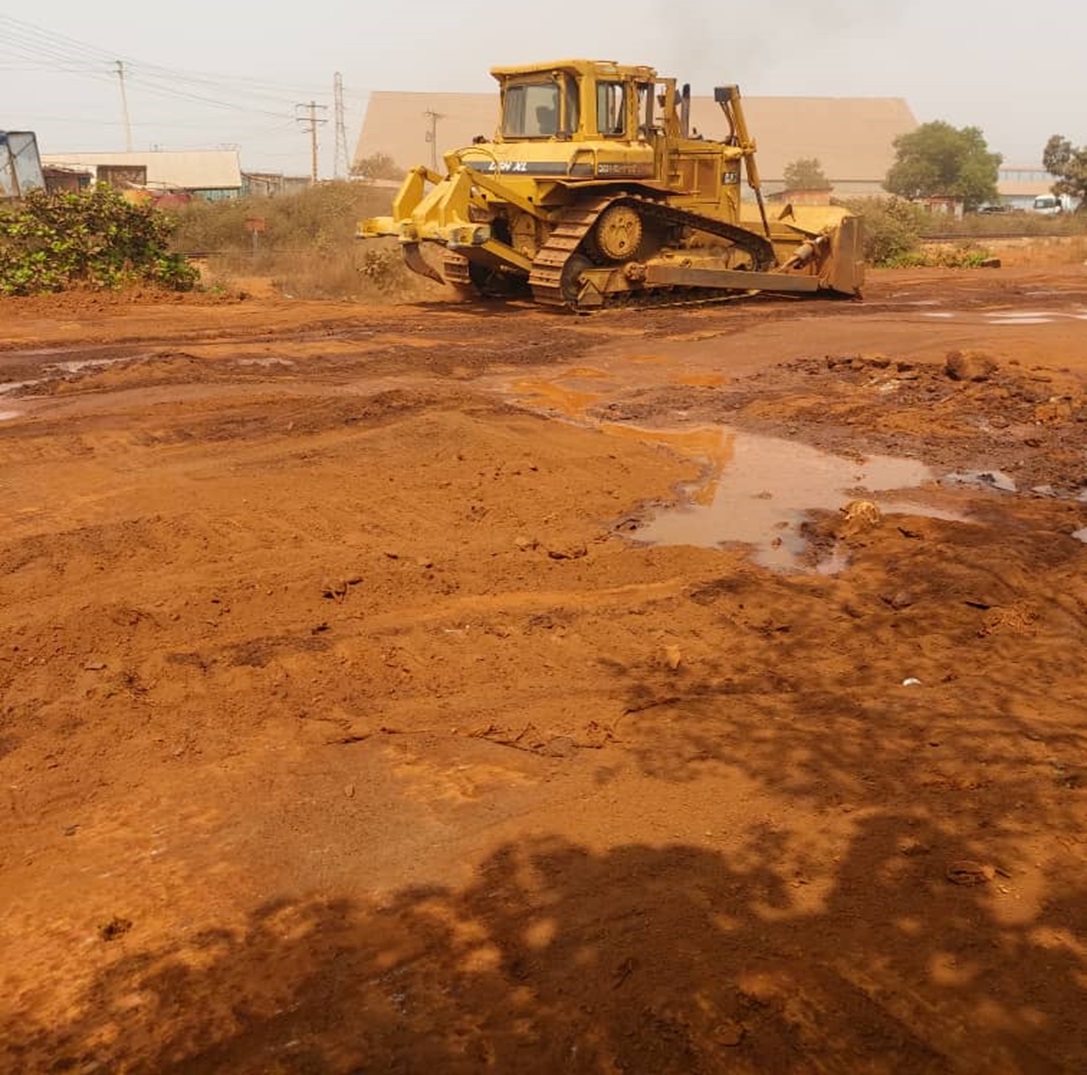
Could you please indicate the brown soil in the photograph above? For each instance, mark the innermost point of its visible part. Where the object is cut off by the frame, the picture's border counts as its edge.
(344, 727)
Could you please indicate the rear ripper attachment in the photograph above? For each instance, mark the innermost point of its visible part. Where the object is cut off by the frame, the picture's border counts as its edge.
(595, 191)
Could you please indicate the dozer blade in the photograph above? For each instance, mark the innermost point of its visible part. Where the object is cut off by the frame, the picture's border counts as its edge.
(413, 258)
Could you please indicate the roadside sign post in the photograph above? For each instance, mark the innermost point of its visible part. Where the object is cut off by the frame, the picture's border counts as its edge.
(255, 225)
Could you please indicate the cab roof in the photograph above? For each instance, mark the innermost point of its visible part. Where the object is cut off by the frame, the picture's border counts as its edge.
(600, 68)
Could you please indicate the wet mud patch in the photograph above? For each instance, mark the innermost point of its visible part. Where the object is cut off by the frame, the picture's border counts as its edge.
(1029, 424)
(295, 417)
(759, 491)
(464, 351)
(259, 652)
(91, 373)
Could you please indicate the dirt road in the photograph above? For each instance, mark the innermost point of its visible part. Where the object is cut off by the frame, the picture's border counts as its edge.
(457, 689)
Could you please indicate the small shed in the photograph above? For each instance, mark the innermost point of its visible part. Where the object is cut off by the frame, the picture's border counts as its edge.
(269, 184)
(65, 181)
(943, 206)
(212, 174)
(801, 197)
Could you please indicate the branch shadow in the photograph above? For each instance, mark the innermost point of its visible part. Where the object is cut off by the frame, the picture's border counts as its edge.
(787, 949)
(556, 958)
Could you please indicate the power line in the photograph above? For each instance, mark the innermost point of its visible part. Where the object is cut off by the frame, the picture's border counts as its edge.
(27, 47)
(57, 52)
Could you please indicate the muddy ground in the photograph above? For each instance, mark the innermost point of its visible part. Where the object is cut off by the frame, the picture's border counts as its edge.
(355, 716)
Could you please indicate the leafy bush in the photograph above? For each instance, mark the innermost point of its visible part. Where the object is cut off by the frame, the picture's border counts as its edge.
(892, 228)
(384, 268)
(51, 242)
(958, 256)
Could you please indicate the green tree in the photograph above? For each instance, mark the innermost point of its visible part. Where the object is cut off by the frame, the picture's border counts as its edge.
(941, 161)
(1069, 164)
(378, 166)
(806, 174)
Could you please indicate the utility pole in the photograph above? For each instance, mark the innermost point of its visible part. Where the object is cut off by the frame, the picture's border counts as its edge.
(432, 135)
(313, 123)
(124, 105)
(340, 166)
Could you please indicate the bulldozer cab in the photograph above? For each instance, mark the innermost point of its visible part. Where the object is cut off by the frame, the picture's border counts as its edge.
(582, 102)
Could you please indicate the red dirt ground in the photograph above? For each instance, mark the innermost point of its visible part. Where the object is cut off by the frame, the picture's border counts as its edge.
(346, 725)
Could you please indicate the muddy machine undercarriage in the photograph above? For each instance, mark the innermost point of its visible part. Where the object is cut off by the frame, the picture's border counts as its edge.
(595, 191)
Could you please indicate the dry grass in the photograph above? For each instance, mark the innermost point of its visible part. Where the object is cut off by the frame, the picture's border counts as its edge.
(370, 272)
(1041, 252)
(324, 216)
(307, 248)
(982, 225)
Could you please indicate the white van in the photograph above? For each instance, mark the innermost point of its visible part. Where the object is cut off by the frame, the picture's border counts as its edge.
(1047, 205)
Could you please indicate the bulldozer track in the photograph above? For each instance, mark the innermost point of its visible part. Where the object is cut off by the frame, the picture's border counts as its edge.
(546, 278)
(563, 242)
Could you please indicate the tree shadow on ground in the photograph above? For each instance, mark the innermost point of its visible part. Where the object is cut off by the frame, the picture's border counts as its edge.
(841, 935)
(639, 959)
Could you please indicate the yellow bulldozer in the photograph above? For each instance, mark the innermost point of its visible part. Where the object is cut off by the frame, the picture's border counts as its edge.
(595, 190)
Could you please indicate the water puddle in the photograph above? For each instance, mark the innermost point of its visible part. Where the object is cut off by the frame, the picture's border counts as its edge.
(35, 352)
(54, 370)
(758, 491)
(81, 365)
(268, 361)
(982, 479)
(761, 489)
(1009, 317)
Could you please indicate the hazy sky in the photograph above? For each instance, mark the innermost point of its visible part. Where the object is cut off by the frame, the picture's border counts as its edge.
(204, 74)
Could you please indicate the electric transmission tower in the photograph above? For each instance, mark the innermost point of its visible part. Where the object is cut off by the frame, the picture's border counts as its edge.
(311, 125)
(340, 168)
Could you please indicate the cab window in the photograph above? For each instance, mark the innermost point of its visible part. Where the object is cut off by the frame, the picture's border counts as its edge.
(611, 113)
(531, 110)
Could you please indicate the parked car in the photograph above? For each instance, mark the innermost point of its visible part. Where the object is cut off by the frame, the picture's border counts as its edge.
(996, 207)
